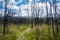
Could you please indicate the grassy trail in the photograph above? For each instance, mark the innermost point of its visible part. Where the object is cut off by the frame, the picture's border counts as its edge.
(22, 33)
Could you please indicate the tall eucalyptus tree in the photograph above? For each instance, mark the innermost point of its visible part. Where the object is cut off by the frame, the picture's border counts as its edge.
(37, 18)
(32, 14)
(52, 12)
(5, 18)
(56, 19)
(48, 19)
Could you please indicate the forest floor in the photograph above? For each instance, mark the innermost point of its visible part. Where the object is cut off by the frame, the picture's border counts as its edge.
(25, 32)
(29, 29)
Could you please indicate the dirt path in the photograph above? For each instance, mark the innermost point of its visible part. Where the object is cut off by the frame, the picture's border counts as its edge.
(22, 34)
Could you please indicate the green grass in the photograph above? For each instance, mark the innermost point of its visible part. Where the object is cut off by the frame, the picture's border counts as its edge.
(43, 34)
(14, 31)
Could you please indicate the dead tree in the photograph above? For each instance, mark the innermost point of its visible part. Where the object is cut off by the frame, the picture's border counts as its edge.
(32, 15)
(37, 18)
(56, 20)
(5, 18)
(51, 11)
(48, 20)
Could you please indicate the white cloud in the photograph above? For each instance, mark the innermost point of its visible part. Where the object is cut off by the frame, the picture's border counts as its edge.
(44, 8)
(2, 12)
(1, 0)
(24, 9)
(24, 13)
(14, 7)
(10, 6)
(28, 6)
(58, 4)
(12, 1)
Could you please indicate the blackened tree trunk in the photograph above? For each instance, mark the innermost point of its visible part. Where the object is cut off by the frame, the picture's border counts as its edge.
(5, 18)
(32, 15)
(56, 19)
(51, 2)
(48, 22)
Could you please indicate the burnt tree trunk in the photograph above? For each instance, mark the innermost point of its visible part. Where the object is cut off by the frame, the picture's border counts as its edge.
(5, 18)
